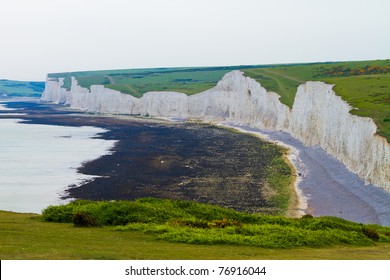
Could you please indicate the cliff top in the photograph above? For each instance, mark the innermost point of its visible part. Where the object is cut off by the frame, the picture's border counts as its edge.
(365, 85)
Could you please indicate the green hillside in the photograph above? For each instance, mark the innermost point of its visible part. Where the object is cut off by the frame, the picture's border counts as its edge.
(21, 88)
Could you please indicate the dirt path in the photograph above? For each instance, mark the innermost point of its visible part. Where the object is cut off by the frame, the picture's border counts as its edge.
(283, 75)
(132, 89)
(112, 81)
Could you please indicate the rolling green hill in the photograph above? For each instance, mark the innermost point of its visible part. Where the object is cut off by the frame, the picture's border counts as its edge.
(21, 88)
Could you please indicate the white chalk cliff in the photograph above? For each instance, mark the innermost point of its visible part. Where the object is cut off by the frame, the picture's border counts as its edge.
(318, 116)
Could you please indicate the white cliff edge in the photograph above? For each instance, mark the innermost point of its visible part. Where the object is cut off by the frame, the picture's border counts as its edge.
(318, 116)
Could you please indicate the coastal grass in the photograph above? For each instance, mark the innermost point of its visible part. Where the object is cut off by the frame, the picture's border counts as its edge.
(28, 236)
(197, 223)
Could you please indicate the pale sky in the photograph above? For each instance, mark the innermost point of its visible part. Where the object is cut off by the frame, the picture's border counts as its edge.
(45, 36)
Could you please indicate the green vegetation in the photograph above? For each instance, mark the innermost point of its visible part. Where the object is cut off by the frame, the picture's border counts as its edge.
(20, 88)
(196, 223)
(280, 181)
(272, 80)
(26, 236)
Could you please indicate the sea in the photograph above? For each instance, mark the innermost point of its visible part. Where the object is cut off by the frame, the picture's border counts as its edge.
(39, 162)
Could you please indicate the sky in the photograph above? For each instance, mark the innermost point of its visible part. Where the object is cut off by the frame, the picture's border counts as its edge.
(49, 36)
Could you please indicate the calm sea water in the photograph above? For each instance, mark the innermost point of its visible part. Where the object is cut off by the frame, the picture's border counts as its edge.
(38, 162)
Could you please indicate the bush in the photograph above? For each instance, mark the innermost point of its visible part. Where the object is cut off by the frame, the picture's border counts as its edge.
(370, 233)
(196, 223)
(59, 214)
(226, 223)
(307, 216)
(84, 219)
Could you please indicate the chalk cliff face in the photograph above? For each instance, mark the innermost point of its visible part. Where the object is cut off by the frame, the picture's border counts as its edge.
(318, 117)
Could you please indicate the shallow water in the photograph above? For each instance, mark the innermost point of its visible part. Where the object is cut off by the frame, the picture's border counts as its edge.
(38, 162)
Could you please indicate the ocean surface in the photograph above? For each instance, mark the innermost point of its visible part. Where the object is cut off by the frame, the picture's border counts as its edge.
(38, 162)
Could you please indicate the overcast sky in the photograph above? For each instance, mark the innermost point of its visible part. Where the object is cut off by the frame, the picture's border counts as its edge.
(42, 36)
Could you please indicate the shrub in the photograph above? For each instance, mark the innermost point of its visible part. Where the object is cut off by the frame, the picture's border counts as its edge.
(307, 216)
(226, 223)
(59, 214)
(370, 233)
(84, 219)
(196, 223)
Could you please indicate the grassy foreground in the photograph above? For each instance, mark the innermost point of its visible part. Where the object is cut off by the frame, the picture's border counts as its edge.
(158, 226)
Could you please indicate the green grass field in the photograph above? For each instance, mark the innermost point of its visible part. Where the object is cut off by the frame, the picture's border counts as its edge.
(28, 236)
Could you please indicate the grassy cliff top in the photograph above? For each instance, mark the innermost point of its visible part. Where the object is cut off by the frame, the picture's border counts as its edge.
(189, 80)
(139, 81)
(365, 85)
